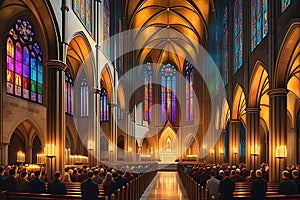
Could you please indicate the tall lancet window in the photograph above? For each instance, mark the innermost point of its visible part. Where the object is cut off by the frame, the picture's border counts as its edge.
(106, 27)
(104, 107)
(168, 92)
(225, 45)
(24, 63)
(148, 92)
(189, 92)
(69, 94)
(84, 100)
(259, 21)
(285, 4)
(238, 34)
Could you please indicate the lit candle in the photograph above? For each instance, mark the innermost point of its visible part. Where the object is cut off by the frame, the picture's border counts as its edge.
(212, 151)
(221, 151)
(281, 152)
(254, 150)
(20, 156)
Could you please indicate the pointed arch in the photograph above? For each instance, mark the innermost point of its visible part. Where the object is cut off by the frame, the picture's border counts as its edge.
(288, 60)
(107, 81)
(259, 85)
(239, 104)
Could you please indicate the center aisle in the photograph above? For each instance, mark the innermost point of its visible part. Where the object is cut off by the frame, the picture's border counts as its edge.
(165, 185)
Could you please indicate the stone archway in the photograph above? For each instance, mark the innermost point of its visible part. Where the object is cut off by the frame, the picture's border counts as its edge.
(168, 145)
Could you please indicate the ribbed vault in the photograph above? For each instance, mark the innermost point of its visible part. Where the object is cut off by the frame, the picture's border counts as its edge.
(168, 30)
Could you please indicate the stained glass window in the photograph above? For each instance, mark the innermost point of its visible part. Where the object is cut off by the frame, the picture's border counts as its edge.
(238, 34)
(106, 27)
(285, 4)
(69, 94)
(120, 113)
(24, 68)
(148, 92)
(189, 92)
(84, 104)
(168, 92)
(104, 107)
(225, 45)
(83, 10)
(259, 21)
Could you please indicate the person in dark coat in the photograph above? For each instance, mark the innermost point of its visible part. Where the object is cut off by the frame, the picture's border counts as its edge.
(109, 185)
(2, 179)
(237, 177)
(120, 181)
(296, 179)
(11, 181)
(259, 187)
(98, 179)
(23, 184)
(37, 185)
(57, 186)
(89, 189)
(227, 187)
(287, 186)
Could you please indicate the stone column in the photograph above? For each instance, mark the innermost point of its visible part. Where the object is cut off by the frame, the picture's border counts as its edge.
(3, 153)
(234, 142)
(93, 124)
(28, 154)
(56, 124)
(252, 137)
(278, 130)
(220, 147)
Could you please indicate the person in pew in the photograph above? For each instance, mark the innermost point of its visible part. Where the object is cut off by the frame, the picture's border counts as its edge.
(287, 186)
(37, 185)
(98, 179)
(11, 181)
(2, 179)
(296, 179)
(213, 185)
(23, 184)
(89, 189)
(120, 181)
(109, 185)
(259, 187)
(220, 175)
(66, 178)
(75, 176)
(237, 177)
(57, 186)
(227, 187)
(251, 177)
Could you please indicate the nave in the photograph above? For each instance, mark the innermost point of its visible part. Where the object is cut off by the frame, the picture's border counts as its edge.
(165, 185)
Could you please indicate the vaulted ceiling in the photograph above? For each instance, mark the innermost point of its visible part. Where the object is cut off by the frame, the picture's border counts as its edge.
(167, 30)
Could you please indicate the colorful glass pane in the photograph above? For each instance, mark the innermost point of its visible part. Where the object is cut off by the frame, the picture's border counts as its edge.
(84, 98)
(40, 88)
(25, 93)
(168, 73)
(68, 93)
(76, 5)
(104, 105)
(148, 91)
(285, 4)
(106, 27)
(82, 10)
(259, 18)
(238, 34)
(225, 45)
(33, 96)
(40, 98)
(88, 14)
(24, 30)
(25, 83)
(189, 93)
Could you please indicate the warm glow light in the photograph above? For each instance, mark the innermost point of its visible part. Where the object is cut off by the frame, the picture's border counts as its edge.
(212, 151)
(234, 150)
(91, 145)
(49, 150)
(281, 152)
(20, 156)
(40, 158)
(129, 149)
(221, 151)
(254, 150)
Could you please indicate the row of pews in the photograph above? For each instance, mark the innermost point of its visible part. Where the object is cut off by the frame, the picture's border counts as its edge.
(242, 189)
(132, 191)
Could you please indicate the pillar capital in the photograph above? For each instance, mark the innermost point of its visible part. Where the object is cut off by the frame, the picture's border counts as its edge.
(234, 121)
(278, 92)
(252, 110)
(3, 145)
(56, 64)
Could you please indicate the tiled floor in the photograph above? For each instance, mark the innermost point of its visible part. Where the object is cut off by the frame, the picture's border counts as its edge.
(166, 185)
